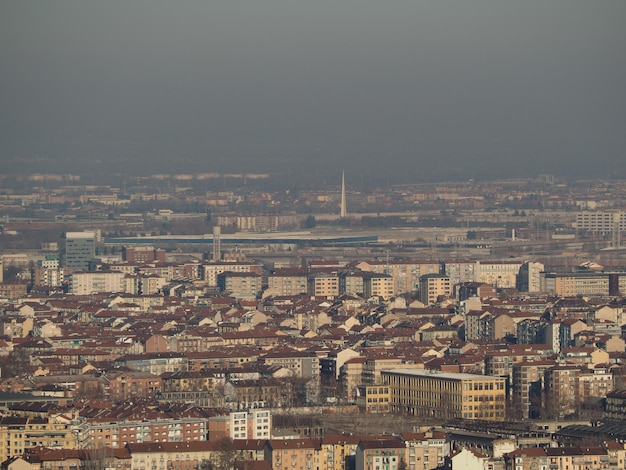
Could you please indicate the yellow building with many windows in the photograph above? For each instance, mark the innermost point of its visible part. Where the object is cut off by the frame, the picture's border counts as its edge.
(446, 395)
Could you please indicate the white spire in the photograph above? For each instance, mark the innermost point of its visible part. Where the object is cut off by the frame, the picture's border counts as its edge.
(343, 211)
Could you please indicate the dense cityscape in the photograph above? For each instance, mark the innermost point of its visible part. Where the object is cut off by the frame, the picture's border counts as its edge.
(214, 321)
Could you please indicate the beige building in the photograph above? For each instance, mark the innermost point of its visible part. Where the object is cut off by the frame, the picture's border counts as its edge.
(240, 283)
(584, 283)
(378, 285)
(502, 274)
(296, 454)
(432, 286)
(212, 270)
(425, 450)
(20, 433)
(337, 450)
(288, 281)
(323, 285)
(405, 274)
(446, 395)
(373, 398)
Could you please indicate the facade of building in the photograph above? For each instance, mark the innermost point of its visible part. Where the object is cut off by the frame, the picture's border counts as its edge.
(373, 398)
(600, 223)
(562, 391)
(405, 274)
(93, 282)
(446, 395)
(288, 281)
(500, 274)
(432, 286)
(380, 454)
(240, 283)
(323, 285)
(142, 254)
(20, 433)
(80, 250)
(584, 283)
(212, 270)
(378, 285)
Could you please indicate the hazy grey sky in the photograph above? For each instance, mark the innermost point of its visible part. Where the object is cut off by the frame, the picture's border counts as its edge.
(421, 89)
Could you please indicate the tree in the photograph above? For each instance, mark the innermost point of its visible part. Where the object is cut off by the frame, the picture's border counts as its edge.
(310, 222)
(225, 455)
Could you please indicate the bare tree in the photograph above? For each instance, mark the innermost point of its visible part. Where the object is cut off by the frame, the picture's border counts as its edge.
(225, 455)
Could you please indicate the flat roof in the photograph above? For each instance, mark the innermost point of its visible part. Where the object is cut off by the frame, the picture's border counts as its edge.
(244, 238)
(442, 375)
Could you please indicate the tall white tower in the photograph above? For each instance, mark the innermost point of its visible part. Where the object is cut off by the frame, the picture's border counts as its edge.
(343, 212)
(217, 243)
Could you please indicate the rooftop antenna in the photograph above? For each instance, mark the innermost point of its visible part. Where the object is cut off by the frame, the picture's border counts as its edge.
(343, 211)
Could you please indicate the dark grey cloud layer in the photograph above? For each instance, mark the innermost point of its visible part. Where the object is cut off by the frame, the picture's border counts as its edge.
(420, 89)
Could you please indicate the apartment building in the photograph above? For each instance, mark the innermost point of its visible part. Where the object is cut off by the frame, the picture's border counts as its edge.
(20, 433)
(425, 450)
(212, 270)
(405, 273)
(142, 254)
(302, 364)
(378, 285)
(461, 271)
(250, 424)
(380, 454)
(288, 281)
(527, 386)
(587, 283)
(338, 451)
(500, 274)
(240, 283)
(432, 286)
(301, 454)
(446, 395)
(562, 391)
(600, 222)
(323, 285)
(373, 398)
(94, 282)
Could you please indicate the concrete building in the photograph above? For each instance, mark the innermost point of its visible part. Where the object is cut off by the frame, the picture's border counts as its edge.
(378, 285)
(288, 281)
(250, 424)
(20, 433)
(500, 274)
(446, 395)
(432, 286)
(323, 285)
(599, 222)
(142, 254)
(405, 273)
(93, 282)
(562, 391)
(240, 283)
(293, 453)
(380, 454)
(212, 270)
(80, 250)
(587, 283)
(461, 271)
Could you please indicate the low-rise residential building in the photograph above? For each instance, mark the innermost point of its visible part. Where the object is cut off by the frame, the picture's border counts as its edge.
(380, 454)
